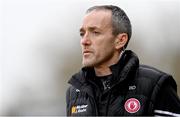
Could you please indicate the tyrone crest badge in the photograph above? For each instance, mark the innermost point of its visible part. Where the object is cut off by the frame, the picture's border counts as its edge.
(132, 105)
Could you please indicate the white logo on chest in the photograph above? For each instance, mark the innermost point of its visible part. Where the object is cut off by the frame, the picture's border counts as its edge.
(132, 105)
(132, 87)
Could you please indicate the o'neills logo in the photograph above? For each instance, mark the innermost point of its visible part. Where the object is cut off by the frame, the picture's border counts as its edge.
(132, 105)
(78, 109)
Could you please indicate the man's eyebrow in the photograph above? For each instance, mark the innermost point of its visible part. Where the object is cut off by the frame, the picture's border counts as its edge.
(89, 28)
(81, 30)
(93, 28)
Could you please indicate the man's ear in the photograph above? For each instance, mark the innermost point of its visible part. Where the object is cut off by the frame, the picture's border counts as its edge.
(121, 40)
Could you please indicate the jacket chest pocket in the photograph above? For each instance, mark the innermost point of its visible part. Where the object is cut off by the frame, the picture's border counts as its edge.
(82, 105)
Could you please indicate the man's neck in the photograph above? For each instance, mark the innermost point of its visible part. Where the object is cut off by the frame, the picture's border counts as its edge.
(104, 70)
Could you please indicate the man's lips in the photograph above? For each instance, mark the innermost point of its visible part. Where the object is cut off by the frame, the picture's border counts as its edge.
(87, 51)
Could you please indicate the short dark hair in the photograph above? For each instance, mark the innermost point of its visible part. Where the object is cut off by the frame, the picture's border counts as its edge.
(120, 21)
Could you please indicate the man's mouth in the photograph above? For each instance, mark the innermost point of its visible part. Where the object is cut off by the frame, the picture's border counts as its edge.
(85, 52)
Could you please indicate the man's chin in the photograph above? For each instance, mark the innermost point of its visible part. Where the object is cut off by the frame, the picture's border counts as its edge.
(87, 64)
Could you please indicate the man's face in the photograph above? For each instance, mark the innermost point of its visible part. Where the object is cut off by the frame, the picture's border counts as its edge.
(97, 40)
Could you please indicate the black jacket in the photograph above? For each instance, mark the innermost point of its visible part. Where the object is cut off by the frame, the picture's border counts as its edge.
(136, 90)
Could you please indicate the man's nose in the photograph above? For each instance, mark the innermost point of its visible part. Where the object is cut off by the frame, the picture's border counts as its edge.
(85, 40)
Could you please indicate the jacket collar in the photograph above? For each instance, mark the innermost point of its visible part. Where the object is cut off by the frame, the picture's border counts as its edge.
(127, 65)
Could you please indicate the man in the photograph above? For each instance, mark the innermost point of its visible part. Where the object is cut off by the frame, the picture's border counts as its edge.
(112, 82)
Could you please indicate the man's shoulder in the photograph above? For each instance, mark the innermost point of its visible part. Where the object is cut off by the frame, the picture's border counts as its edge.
(77, 80)
(76, 76)
(155, 76)
(149, 71)
(71, 89)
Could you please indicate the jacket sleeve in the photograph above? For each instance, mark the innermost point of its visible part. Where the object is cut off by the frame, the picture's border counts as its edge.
(168, 102)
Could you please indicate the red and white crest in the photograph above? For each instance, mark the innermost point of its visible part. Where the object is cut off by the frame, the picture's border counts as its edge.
(132, 105)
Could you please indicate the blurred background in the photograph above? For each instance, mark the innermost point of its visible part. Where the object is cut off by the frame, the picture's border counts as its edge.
(40, 50)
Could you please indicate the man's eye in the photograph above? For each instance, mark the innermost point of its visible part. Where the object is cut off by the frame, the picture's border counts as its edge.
(96, 32)
(81, 34)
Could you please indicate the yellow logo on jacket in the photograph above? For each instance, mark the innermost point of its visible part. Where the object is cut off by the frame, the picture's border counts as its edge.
(73, 109)
(78, 109)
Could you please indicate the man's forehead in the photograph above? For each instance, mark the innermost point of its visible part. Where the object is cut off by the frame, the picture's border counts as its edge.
(97, 19)
(99, 13)
(90, 28)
